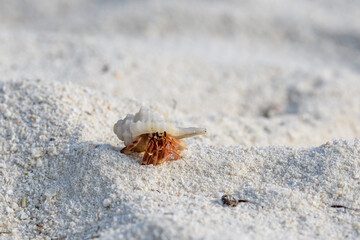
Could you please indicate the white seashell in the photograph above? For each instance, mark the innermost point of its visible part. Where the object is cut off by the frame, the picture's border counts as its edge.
(147, 121)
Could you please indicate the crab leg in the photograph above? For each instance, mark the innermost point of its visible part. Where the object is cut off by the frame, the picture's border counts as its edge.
(155, 156)
(163, 144)
(131, 146)
(159, 149)
(175, 152)
(165, 152)
(179, 144)
(148, 152)
(175, 146)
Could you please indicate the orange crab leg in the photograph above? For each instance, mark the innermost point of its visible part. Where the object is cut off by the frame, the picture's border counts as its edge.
(160, 148)
(181, 145)
(163, 149)
(165, 152)
(155, 156)
(148, 152)
(131, 146)
(175, 152)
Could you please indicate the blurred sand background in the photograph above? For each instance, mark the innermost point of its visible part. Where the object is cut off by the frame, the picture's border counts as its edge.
(254, 73)
(241, 64)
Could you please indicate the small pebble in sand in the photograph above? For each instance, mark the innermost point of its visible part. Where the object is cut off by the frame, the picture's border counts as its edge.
(23, 202)
(229, 200)
(106, 202)
(36, 153)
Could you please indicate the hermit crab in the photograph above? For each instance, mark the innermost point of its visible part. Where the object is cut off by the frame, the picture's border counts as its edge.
(148, 132)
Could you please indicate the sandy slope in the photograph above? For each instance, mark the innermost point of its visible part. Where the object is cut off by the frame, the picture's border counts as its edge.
(256, 74)
(60, 154)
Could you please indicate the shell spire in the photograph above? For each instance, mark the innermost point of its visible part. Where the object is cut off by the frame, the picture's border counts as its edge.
(189, 132)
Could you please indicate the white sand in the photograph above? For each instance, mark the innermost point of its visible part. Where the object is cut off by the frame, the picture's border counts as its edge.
(274, 84)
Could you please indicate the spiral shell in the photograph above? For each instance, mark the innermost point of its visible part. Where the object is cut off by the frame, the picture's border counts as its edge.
(147, 121)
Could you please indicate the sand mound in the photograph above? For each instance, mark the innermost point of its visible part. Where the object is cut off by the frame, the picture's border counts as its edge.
(60, 155)
(273, 82)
